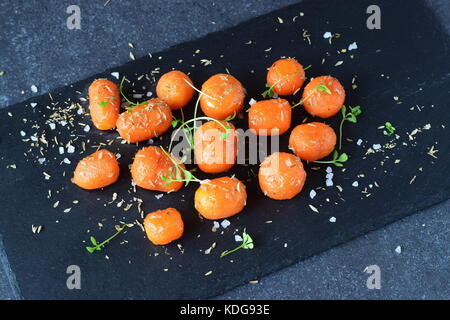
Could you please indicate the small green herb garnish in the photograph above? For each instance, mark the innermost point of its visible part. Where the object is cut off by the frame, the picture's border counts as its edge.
(98, 246)
(269, 92)
(320, 88)
(350, 116)
(247, 243)
(389, 129)
(338, 160)
(103, 103)
(181, 174)
(132, 104)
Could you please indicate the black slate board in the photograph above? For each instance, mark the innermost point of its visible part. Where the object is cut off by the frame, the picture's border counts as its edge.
(410, 50)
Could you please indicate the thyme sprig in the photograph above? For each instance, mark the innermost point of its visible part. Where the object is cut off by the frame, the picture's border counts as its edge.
(247, 243)
(350, 116)
(320, 88)
(99, 246)
(338, 159)
(181, 174)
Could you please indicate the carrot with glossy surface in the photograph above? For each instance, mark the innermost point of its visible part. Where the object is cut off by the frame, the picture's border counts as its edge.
(104, 103)
(220, 198)
(270, 117)
(323, 97)
(164, 226)
(281, 176)
(215, 146)
(312, 141)
(223, 96)
(149, 168)
(285, 76)
(144, 121)
(97, 170)
(173, 87)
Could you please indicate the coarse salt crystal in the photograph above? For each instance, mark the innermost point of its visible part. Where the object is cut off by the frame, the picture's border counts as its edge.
(52, 126)
(329, 176)
(118, 155)
(33, 104)
(332, 219)
(216, 225)
(329, 169)
(115, 75)
(355, 184)
(34, 138)
(34, 88)
(225, 223)
(41, 160)
(252, 101)
(63, 123)
(159, 196)
(61, 150)
(67, 161)
(359, 142)
(149, 94)
(70, 149)
(86, 128)
(329, 183)
(238, 238)
(352, 46)
(376, 146)
(398, 249)
(327, 35)
(312, 194)
(22, 133)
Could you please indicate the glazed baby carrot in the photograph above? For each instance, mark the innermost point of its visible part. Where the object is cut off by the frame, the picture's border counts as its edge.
(270, 117)
(220, 198)
(323, 97)
(223, 96)
(97, 170)
(215, 146)
(174, 89)
(312, 141)
(145, 121)
(150, 165)
(104, 103)
(285, 77)
(281, 176)
(163, 226)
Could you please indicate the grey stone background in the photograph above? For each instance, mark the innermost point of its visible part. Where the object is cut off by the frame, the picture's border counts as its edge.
(36, 48)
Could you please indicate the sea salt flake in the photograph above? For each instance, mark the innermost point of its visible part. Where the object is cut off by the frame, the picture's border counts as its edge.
(329, 183)
(352, 46)
(355, 184)
(159, 196)
(312, 194)
(329, 176)
(376, 146)
(329, 169)
(63, 123)
(61, 150)
(359, 142)
(238, 238)
(86, 128)
(327, 35)
(52, 126)
(252, 101)
(115, 75)
(225, 223)
(41, 160)
(398, 249)
(22, 133)
(333, 219)
(70, 149)
(33, 104)
(34, 89)
(66, 161)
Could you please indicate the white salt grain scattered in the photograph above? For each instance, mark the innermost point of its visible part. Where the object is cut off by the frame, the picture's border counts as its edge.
(41, 160)
(352, 46)
(61, 150)
(34, 138)
(33, 104)
(216, 225)
(329, 183)
(252, 101)
(22, 133)
(52, 126)
(70, 149)
(312, 194)
(66, 161)
(86, 128)
(329, 176)
(332, 219)
(376, 146)
(398, 249)
(159, 196)
(34, 89)
(225, 223)
(359, 142)
(149, 94)
(63, 123)
(355, 184)
(238, 238)
(329, 170)
(115, 75)
(327, 35)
